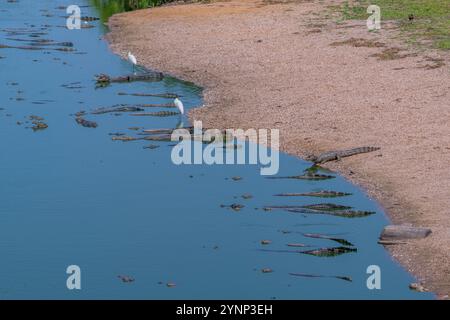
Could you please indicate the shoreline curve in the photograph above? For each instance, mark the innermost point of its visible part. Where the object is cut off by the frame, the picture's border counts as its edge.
(289, 66)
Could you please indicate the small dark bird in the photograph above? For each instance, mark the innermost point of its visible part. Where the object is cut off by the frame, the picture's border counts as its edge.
(411, 17)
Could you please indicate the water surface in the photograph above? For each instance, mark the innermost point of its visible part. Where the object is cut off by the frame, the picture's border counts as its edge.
(71, 195)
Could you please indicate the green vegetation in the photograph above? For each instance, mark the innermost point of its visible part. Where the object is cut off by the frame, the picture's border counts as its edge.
(423, 20)
(109, 7)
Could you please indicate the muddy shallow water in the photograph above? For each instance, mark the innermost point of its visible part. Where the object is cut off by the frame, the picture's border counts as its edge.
(71, 195)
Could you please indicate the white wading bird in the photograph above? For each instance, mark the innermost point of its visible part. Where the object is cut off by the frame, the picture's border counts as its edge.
(179, 105)
(132, 59)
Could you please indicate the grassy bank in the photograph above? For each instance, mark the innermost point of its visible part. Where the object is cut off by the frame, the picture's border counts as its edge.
(109, 7)
(424, 21)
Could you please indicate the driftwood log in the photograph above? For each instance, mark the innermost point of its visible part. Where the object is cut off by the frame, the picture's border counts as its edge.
(390, 242)
(399, 232)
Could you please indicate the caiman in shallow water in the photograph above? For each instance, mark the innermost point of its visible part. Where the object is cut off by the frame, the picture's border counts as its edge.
(306, 176)
(319, 194)
(104, 79)
(156, 114)
(86, 123)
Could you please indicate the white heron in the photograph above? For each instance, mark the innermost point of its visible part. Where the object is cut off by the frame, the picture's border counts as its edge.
(132, 59)
(179, 105)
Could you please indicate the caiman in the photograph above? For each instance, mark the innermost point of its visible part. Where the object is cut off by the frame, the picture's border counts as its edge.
(329, 252)
(104, 79)
(89, 18)
(156, 114)
(319, 194)
(321, 252)
(86, 123)
(307, 176)
(339, 213)
(337, 155)
(117, 108)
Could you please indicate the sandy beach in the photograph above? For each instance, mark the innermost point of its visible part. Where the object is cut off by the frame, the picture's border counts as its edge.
(326, 86)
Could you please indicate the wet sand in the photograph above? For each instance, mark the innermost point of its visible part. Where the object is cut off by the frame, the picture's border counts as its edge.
(290, 66)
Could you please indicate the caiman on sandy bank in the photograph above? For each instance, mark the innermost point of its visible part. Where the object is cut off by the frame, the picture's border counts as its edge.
(337, 155)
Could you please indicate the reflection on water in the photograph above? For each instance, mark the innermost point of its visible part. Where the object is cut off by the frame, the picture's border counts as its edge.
(137, 225)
